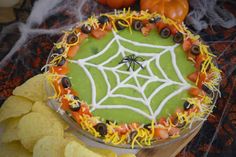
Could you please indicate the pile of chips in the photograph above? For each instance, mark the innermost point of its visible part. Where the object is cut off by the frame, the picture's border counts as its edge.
(31, 128)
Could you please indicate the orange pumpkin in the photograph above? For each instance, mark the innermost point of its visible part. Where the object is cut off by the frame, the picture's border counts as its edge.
(174, 9)
(116, 4)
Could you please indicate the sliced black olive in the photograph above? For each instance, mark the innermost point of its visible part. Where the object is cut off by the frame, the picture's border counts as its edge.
(165, 32)
(147, 126)
(120, 24)
(76, 97)
(101, 128)
(132, 135)
(75, 106)
(195, 50)
(178, 37)
(86, 29)
(187, 105)
(103, 19)
(61, 62)
(178, 124)
(72, 38)
(155, 19)
(207, 90)
(137, 25)
(65, 81)
(59, 50)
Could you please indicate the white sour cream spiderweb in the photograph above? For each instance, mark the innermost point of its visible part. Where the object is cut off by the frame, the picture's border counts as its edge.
(133, 74)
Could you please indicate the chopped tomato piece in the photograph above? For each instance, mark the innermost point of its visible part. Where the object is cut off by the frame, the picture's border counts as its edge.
(193, 77)
(187, 44)
(150, 26)
(163, 121)
(145, 22)
(196, 92)
(58, 87)
(76, 116)
(84, 110)
(108, 27)
(161, 133)
(98, 33)
(199, 59)
(65, 104)
(62, 70)
(173, 29)
(82, 37)
(160, 25)
(72, 51)
(122, 129)
(145, 31)
(201, 80)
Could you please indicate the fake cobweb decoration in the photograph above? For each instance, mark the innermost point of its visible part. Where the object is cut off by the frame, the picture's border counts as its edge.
(85, 63)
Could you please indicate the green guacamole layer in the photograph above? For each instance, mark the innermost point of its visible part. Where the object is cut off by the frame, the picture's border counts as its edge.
(108, 97)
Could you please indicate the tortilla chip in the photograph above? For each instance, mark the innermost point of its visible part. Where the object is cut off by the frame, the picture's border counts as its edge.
(41, 107)
(14, 106)
(10, 131)
(33, 89)
(74, 149)
(14, 149)
(34, 126)
(49, 146)
(103, 152)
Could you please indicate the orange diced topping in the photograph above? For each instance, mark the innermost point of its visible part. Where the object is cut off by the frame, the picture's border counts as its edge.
(161, 133)
(98, 33)
(72, 51)
(193, 77)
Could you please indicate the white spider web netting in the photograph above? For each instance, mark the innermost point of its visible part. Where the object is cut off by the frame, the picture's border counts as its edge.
(134, 74)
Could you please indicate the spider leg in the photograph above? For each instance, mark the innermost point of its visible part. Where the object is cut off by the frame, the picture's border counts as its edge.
(134, 66)
(124, 60)
(139, 64)
(129, 66)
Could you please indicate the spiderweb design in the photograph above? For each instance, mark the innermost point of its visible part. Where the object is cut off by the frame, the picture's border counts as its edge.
(134, 74)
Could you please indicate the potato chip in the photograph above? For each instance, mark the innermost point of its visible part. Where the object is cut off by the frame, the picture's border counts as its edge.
(14, 149)
(41, 107)
(127, 155)
(33, 89)
(14, 106)
(103, 152)
(9, 133)
(74, 149)
(49, 146)
(34, 126)
(71, 137)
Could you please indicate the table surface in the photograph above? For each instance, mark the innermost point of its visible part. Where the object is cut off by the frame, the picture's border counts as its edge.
(26, 43)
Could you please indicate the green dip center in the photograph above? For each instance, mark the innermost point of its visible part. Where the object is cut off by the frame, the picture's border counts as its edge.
(136, 94)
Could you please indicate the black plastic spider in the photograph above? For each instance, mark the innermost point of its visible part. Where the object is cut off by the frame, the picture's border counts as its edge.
(132, 60)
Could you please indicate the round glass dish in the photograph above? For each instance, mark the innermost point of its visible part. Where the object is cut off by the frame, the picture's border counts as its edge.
(186, 132)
